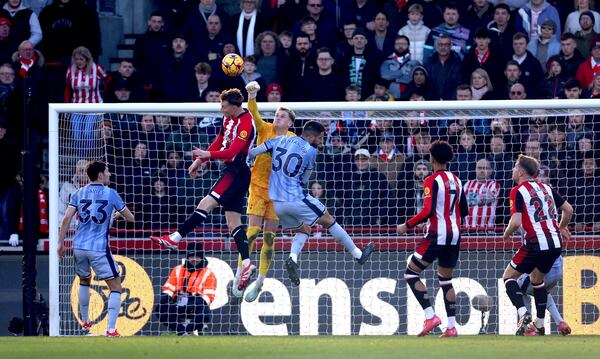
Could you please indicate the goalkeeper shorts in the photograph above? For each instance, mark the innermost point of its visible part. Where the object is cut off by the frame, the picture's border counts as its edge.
(259, 203)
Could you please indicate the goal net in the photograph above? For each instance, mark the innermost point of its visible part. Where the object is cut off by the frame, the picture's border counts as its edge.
(369, 174)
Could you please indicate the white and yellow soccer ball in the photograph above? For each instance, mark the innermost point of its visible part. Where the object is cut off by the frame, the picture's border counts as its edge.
(232, 65)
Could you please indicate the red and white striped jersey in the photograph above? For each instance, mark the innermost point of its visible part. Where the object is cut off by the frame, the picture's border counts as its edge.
(234, 140)
(537, 203)
(444, 206)
(84, 86)
(482, 198)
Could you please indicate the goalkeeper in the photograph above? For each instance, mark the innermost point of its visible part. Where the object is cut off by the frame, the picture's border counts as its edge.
(261, 212)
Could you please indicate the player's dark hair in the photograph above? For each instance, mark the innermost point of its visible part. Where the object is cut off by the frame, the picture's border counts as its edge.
(529, 165)
(94, 168)
(233, 96)
(441, 151)
(313, 128)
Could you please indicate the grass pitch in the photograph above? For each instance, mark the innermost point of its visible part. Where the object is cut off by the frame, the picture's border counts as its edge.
(488, 347)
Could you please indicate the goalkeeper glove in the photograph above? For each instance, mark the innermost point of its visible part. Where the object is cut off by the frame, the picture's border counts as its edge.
(14, 240)
(252, 87)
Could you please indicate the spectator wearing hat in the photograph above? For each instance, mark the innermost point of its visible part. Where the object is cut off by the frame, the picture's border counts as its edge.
(586, 71)
(572, 24)
(188, 294)
(569, 55)
(482, 56)
(534, 13)
(399, 66)
(444, 68)
(416, 32)
(458, 34)
(366, 193)
(326, 82)
(150, 54)
(546, 45)
(125, 85)
(25, 23)
(360, 67)
(6, 43)
(585, 36)
(274, 92)
(422, 84)
(555, 79)
(179, 71)
(479, 14)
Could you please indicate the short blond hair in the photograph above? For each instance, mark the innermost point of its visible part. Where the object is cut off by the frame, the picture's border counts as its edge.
(529, 165)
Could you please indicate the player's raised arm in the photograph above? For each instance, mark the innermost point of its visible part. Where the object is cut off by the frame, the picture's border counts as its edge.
(429, 191)
(516, 208)
(253, 87)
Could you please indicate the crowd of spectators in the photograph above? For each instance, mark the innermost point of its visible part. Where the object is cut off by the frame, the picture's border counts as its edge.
(316, 50)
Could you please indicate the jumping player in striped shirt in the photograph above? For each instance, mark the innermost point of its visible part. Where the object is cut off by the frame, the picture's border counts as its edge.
(533, 207)
(444, 208)
(232, 146)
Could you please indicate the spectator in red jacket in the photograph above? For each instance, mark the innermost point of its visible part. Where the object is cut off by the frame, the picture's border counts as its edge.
(585, 72)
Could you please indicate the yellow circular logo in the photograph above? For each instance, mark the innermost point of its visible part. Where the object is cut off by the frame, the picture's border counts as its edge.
(426, 191)
(137, 299)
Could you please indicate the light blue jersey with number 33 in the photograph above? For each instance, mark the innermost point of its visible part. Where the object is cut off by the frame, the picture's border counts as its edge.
(291, 158)
(95, 204)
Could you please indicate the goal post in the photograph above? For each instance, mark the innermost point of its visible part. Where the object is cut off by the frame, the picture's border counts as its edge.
(369, 300)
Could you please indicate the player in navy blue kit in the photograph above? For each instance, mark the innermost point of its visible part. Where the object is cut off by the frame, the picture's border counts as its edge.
(232, 146)
(94, 205)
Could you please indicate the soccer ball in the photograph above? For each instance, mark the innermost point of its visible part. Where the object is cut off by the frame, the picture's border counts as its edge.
(232, 64)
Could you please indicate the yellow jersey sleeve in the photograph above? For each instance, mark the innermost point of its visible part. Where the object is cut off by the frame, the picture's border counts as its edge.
(258, 120)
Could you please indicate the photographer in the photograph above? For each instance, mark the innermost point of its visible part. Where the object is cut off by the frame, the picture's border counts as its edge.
(188, 293)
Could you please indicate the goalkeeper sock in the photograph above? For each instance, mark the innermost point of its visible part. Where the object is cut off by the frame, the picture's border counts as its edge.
(114, 304)
(516, 295)
(553, 309)
(412, 278)
(241, 242)
(540, 294)
(450, 305)
(266, 253)
(84, 302)
(297, 244)
(252, 234)
(193, 221)
(342, 237)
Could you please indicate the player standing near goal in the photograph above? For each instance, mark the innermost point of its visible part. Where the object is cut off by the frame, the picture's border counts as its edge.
(231, 145)
(533, 207)
(261, 212)
(293, 159)
(444, 208)
(94, 205)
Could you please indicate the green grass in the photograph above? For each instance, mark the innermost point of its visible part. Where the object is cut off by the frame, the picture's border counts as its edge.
(484, 347)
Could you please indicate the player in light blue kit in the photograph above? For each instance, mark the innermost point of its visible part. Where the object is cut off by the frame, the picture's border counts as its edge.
(551, 280)
(293, 160)
(94, 205)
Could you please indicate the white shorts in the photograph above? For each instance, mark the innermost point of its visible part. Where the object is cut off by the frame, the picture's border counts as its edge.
(295, 214)
(103, 264)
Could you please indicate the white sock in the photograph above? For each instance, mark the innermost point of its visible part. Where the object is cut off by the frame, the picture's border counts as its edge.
(114, 306)
(522, 311)
(260, 279)
(297, 245)
(539, 322)
(245, 262)
(84, 302)
(175, 237)
(551, 306)
(451, 322)
(342, 236)
(429, 313)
